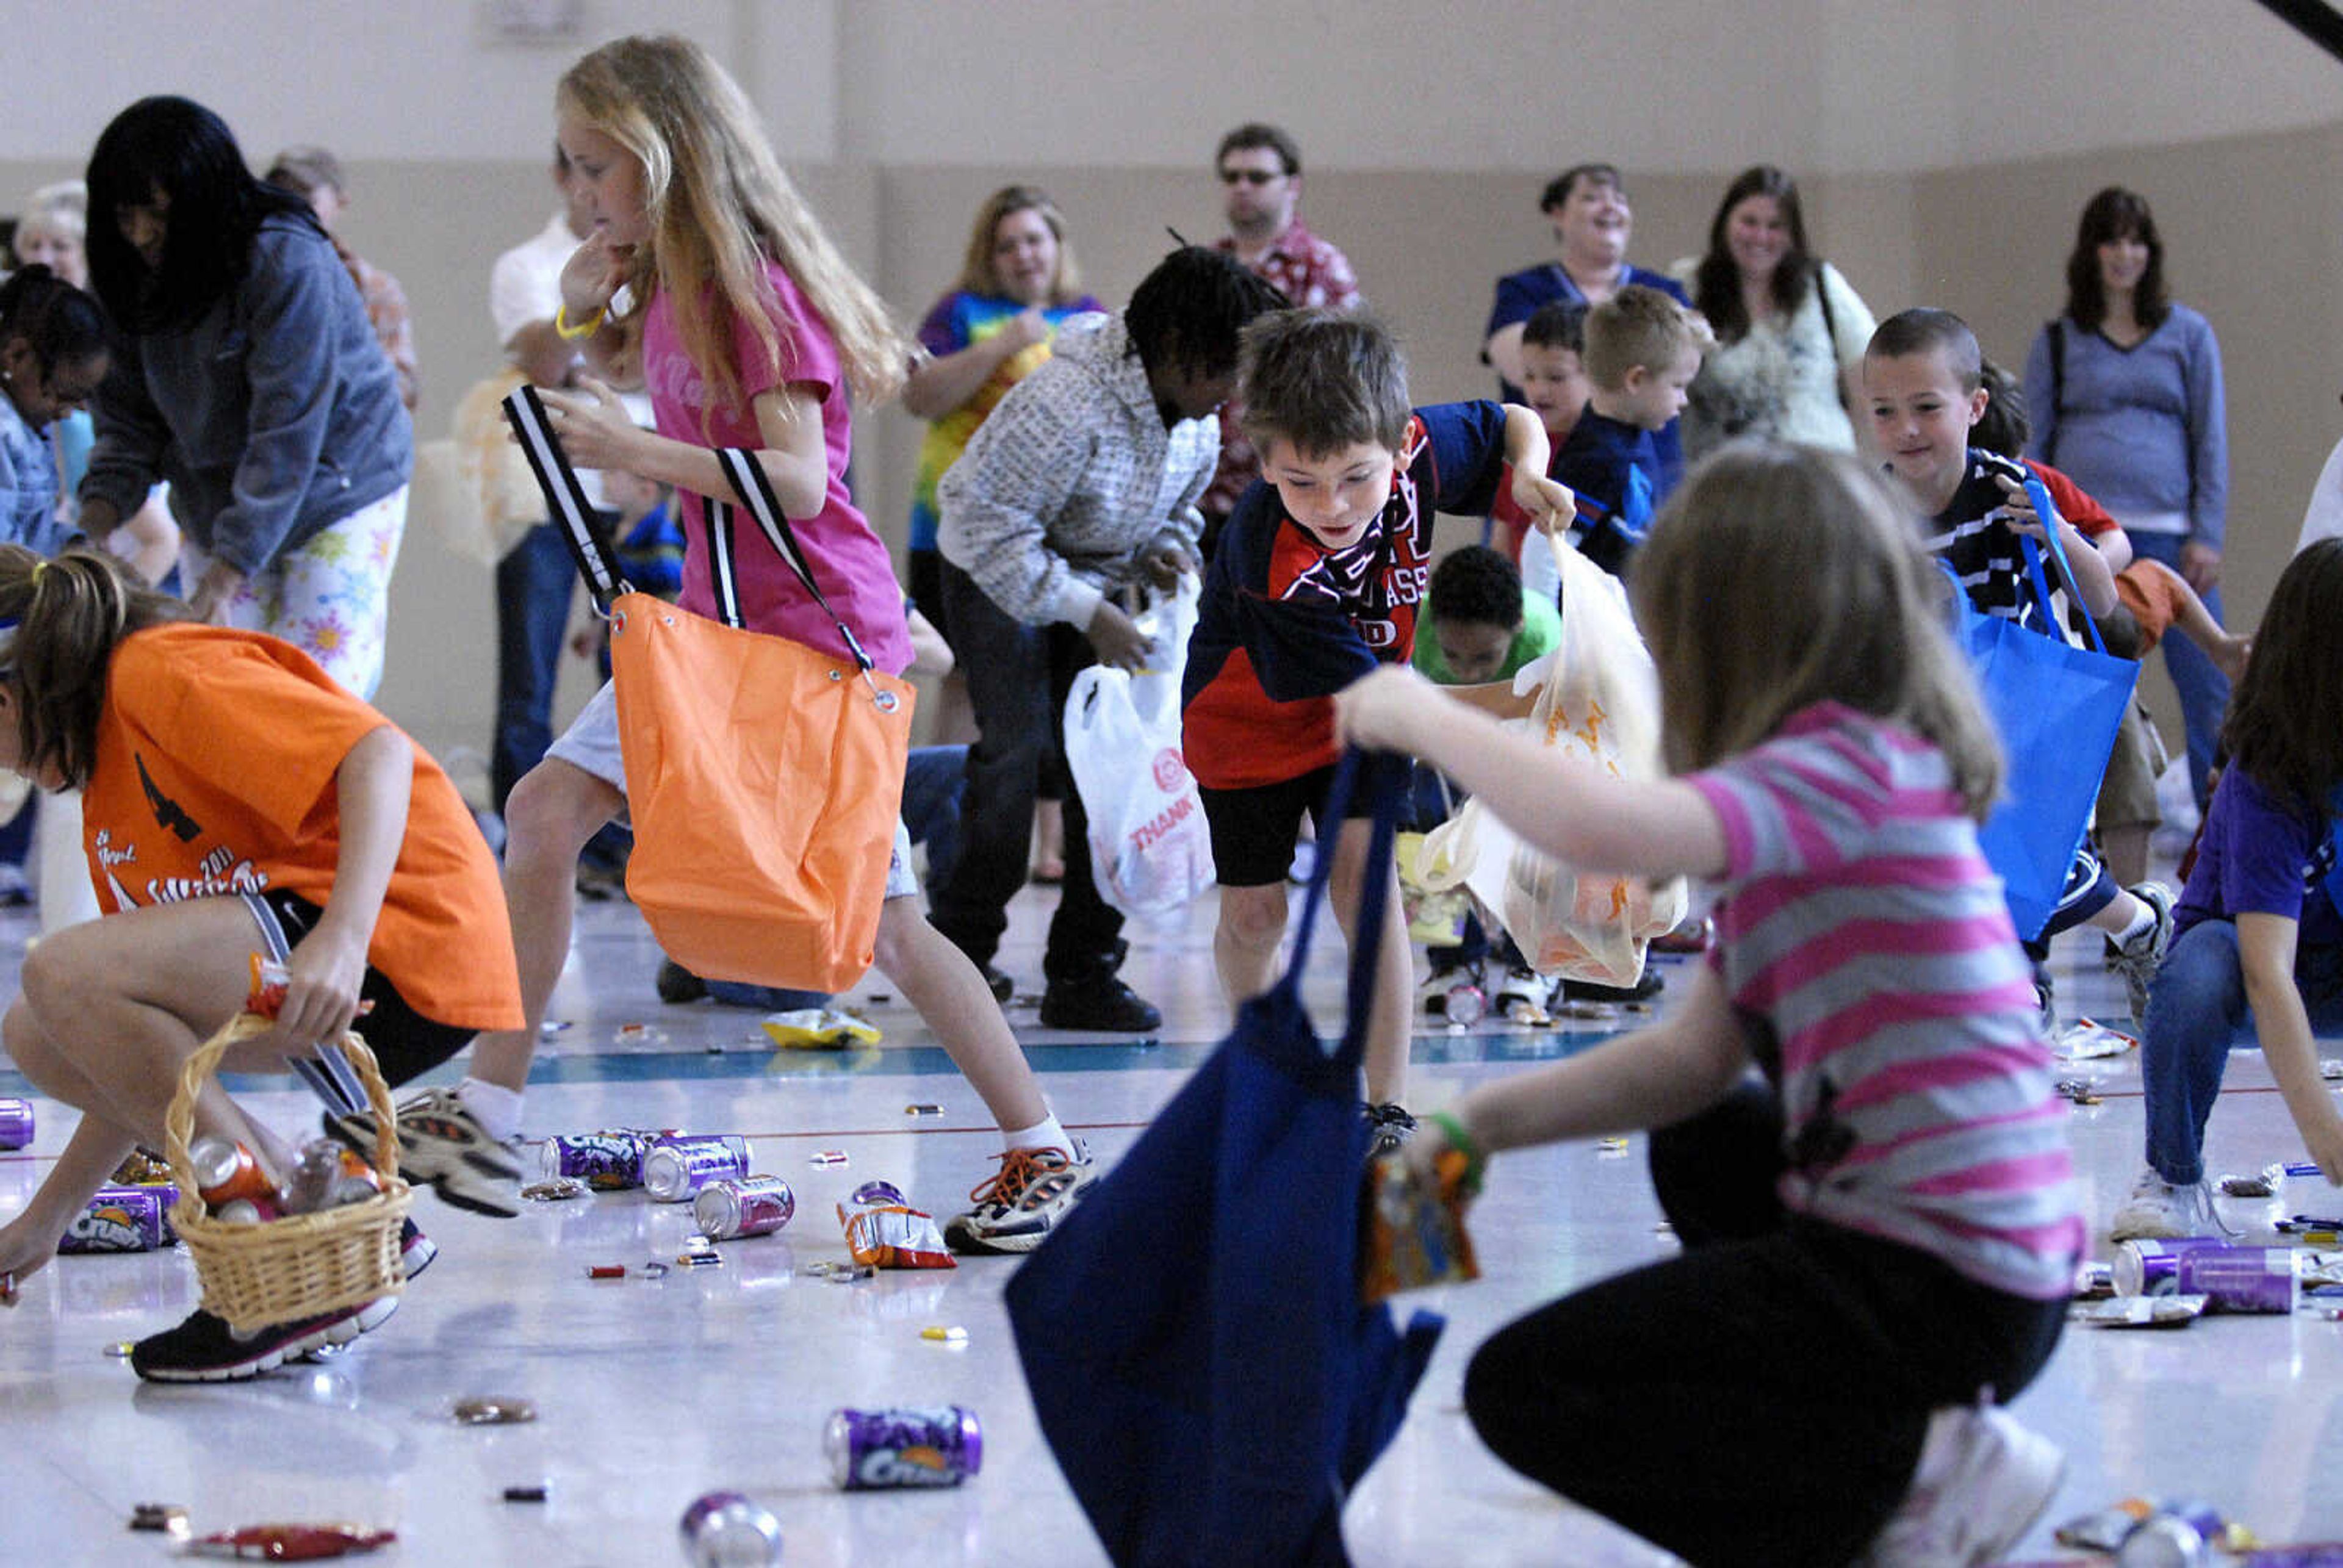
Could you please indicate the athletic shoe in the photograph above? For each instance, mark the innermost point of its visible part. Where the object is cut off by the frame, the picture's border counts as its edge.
(1102, 1002)
(678, 985)
(1523, 995)
(2137, 961)
(441, 1145)
(1648, 984)
(1692, 937)
(1001, 985)
(204, 1349)
(1995, 1483)
(2158, 1209)
(1391, 1125)
(1014, 1211)
(416, 1251)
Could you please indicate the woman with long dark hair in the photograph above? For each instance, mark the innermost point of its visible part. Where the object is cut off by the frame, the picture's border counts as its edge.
(248, 377)
(2124, 388)
(1790, 331)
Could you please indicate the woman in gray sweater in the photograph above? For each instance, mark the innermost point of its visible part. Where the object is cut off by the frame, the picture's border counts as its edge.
(2124, 391)
(248, 378)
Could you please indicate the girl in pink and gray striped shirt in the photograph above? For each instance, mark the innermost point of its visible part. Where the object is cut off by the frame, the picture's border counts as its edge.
(1858, 1142)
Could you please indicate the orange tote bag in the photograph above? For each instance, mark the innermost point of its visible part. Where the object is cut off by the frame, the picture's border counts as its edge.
(764, 777)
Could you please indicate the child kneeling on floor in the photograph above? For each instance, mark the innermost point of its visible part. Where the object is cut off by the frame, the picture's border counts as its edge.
(1860, 1146)
(235, 799)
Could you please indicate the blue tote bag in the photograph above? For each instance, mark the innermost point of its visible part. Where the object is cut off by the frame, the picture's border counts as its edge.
(2056, 708)
(1191, 1333)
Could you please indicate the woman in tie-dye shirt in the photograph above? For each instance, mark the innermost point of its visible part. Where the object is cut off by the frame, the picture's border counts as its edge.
(1018, 282)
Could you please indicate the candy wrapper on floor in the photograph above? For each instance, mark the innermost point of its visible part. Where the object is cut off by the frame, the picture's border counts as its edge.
(1413, 1232)
(819, 1029)
(1598, 701)
(885, 1231)
(1150, 850)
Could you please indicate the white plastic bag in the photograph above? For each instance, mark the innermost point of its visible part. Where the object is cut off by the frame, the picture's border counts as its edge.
(1600, 701)
(1150, 850)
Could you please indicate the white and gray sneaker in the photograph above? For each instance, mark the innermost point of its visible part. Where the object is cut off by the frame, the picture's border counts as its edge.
(1015, 1209)
(1989, 1484)
(2136, 960)
(2157, 1209)
(440, 1146)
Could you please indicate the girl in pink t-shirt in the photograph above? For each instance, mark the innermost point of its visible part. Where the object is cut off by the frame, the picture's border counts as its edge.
(765, 346)
(1855, 1133)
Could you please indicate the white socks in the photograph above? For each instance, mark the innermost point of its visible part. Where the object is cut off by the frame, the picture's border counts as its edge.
(496, 1108)
(2145, 920)
(1043, 1134)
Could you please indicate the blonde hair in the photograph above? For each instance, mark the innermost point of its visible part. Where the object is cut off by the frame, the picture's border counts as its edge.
(1779, 577)
(720, 207)
(978, 276)
(63, 207)
(1639, 326)
(67, 616)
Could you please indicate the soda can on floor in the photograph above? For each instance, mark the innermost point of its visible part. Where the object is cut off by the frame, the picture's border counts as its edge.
(726, 1530)
(2165, 1541)
(609, 1162)
(15, 1124)
(674, 1169)
(875, 1193)
(929, 1445)
(727, 1210)
(122, 1220)
(2146, 1267)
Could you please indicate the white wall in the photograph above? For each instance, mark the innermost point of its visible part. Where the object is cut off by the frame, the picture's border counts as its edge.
(1829, 86)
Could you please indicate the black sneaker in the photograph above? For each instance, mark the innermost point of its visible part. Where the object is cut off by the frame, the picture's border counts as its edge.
(416, 1249)
(678, 985)
(203, 1349)
(1391, 1124)
(1104, 1003)
(1002, 986)
(1650, 985)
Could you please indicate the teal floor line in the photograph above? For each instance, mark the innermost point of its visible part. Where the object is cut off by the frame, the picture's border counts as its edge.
(1100, 1055)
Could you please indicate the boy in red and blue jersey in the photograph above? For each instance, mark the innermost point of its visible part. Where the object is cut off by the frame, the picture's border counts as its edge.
(1319, 576)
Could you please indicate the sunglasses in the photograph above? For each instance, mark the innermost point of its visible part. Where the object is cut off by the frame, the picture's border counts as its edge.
(1249, 176)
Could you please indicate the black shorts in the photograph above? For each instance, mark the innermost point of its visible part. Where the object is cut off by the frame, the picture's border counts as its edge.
(405, 1043)
(1254, 828)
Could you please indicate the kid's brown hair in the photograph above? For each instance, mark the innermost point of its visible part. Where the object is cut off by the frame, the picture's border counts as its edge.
(63, 619)
(1780, 577)
(1323, 380)
(1637, 327)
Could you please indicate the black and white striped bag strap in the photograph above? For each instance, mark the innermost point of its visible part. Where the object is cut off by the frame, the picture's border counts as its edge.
(755, 488)
(564, 495)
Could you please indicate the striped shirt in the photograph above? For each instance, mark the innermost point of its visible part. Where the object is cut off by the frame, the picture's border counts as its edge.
(1868, 953)
(1988, 557)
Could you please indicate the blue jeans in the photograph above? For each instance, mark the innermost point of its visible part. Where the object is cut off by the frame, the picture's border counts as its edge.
(2195, 1012)
(1018, 676)
(534, 584)
(2204, 689)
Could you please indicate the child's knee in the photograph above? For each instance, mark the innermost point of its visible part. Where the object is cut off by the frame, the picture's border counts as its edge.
(1254, 917)
(554, 809)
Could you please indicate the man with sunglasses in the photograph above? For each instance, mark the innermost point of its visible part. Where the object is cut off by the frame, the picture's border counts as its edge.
(1260, 182)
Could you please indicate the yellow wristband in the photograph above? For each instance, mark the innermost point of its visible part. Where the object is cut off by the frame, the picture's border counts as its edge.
(587, 329)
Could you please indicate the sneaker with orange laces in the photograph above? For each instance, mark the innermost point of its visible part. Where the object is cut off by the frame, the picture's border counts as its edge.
(1013, 1212)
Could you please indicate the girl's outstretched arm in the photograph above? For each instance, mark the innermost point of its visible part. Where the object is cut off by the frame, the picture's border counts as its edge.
(598, 432)
(1652, 1078)
(2265, 952)
(1568, 808)
(373, 785)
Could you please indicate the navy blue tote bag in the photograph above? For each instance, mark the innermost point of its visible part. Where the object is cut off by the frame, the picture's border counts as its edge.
(1191, 1333)
(2056, 708)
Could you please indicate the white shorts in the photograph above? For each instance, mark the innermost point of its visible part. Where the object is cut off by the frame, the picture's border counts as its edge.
(590, 745)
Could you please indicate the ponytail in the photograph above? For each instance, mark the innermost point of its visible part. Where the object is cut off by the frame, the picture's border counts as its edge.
(60, 622)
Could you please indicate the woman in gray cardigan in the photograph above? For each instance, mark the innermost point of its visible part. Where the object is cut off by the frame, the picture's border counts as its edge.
(248, 378)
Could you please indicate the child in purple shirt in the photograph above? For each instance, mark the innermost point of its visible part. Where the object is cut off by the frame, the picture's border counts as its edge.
(2258, 929)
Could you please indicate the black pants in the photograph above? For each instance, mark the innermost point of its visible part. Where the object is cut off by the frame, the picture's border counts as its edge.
(1018, 678)
(1762, 1398)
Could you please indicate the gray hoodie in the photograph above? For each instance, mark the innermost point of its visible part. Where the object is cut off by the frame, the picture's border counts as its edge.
(272, 414)
(1069, 478)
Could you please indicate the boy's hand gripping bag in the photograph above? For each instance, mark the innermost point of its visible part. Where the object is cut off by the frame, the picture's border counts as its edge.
(764, 777)
(1600, 701)
(1150, 850)
(2056, 708)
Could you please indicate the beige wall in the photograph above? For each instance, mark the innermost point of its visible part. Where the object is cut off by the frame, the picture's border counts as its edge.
(1425, 149)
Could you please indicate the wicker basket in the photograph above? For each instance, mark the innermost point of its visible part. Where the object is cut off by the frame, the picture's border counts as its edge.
(302, 1265)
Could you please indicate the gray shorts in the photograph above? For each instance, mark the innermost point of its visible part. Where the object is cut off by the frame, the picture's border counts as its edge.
(590, 745)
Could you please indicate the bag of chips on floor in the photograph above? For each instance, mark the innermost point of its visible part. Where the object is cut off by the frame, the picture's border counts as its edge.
(885, 1231)
(1599, 701)
(1150, 850)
